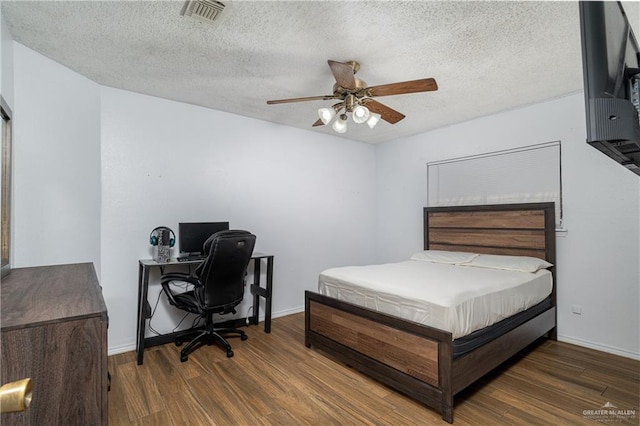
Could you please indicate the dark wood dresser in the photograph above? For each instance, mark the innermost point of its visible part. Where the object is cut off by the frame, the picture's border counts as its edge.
(54, 330)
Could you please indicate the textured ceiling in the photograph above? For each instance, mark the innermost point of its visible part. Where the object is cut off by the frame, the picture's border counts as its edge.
(486, 56)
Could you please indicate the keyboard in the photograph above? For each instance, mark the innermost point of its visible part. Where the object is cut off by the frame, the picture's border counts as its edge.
(190, 258)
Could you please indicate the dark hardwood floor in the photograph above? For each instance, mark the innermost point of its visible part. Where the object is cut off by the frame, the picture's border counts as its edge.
(273, 379)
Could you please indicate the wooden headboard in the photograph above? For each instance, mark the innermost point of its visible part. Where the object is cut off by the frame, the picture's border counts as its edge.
(513, 229)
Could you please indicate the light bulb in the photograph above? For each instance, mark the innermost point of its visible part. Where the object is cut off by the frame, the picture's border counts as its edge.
(326, 114)
(340, 125)
(360, 114)
(373, 120)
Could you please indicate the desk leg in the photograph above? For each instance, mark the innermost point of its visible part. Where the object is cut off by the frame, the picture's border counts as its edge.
(256, 293)
(267, 299)
(143, 289)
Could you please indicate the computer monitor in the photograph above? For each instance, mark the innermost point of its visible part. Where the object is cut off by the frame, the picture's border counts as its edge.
(192, 235)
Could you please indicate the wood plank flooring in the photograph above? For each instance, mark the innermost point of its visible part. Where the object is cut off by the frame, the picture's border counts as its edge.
(273, 379)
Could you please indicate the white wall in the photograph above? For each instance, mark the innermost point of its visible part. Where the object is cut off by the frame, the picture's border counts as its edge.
(56, 163)
(6, 88)
(599, 256)
(6, 59)
(308, 197)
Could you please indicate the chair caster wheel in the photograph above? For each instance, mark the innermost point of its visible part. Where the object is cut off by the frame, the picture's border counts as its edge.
(243, 337)
(183, 358)
(178, 342)
(229, 353)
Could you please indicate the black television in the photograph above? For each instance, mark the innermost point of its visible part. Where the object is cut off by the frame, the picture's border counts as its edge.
(611, 71)
(192, 235)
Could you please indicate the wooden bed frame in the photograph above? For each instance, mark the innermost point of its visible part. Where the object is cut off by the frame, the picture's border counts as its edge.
(418, 360)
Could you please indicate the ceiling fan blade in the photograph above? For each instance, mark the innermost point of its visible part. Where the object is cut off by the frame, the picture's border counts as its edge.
(413, 86)
(343, 74)
(318, 123)
(388, 114)
(308, 98)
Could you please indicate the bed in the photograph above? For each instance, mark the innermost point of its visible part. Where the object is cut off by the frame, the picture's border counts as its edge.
(427, 362)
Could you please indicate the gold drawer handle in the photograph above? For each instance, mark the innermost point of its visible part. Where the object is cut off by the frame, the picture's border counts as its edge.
(15, 396)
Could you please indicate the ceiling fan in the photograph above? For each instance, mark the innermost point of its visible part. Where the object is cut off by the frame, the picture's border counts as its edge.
(356, 98)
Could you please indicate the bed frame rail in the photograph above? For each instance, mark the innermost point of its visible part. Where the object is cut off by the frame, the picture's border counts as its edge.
(398, 352)
(402, 354)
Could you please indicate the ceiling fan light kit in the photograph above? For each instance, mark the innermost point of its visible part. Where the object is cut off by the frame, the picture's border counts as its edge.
(357, 99)
(373, 120)
(340, 125)
(360, 114)
(326, 114)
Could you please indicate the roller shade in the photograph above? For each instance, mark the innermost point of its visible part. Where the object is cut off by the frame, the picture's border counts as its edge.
(522, 175)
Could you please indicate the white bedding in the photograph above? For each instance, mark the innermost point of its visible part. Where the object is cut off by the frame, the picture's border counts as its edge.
(458, 299)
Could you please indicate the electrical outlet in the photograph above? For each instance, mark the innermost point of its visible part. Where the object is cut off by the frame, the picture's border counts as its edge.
(576, 309)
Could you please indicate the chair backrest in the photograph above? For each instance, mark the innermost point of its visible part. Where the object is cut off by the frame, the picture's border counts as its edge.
(223, 272)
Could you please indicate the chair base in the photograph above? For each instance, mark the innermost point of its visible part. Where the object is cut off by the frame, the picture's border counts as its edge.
(208, 336)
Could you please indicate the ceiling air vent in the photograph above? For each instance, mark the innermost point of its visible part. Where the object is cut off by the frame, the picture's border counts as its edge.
(203, 10)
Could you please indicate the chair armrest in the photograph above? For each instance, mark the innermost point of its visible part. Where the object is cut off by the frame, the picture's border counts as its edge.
(179, 276)
(176, 276)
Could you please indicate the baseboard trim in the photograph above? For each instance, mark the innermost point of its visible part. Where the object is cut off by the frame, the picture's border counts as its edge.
(114, 350)
(285, 312)
(599, 347)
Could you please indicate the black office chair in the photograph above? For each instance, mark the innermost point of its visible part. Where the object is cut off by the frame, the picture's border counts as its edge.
(218, 287)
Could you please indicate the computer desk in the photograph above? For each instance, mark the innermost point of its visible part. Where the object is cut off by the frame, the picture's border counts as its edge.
(144, 308)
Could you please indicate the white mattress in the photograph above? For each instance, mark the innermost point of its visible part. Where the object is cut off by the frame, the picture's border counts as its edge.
(458, 299)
